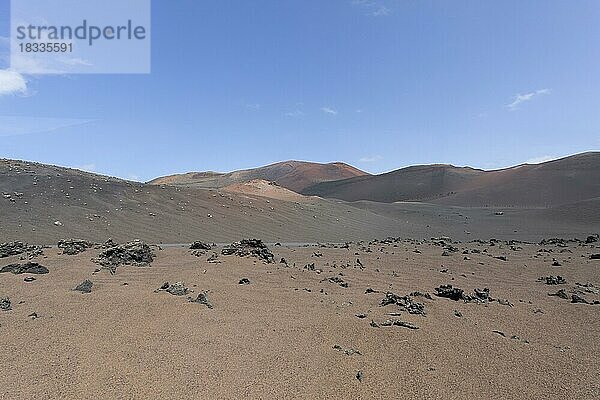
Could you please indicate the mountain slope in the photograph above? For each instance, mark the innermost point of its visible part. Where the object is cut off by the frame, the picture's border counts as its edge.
(554, 183)
(42, 203)
(292, 175)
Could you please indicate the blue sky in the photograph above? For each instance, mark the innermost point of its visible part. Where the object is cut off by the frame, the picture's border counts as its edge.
(380, 84)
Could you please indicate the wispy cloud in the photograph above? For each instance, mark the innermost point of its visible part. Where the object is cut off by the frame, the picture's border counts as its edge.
(253, 106)
(328, 110)
(14, 126)
(522, 98)
(370, 159)
(12, 83)
(294, 114)
(372, 8)
(381, 11)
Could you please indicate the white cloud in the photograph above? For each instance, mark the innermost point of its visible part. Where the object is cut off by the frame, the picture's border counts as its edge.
(295, 113)
(522, 98)
(540, 159)
(254, 106)
(14, 126)
(328, 110)
(370, 159)
(12, 82)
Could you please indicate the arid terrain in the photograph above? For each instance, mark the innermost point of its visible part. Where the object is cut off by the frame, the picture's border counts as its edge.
(114, 289)
(309, 326)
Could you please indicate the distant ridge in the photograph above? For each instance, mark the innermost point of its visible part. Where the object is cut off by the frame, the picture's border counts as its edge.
(292, 175)
(553, 183)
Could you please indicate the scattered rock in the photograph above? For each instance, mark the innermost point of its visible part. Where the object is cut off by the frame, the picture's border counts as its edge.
(85, 286)
(592, 239)
(201, 299)
(135, 253)
(15, 248)
(244, 281)
(457, 313)
(176, 289)
(200, 246)
(338, 280)
(213, 259)
(249, 247)
(74, 246)
(592, 257)
(397, 322)
(360, 376)
(552, 280)
(370, 290)
(515, 337)
(421, 294)
(27, 268)
(562, 293)
(449, 292)
(348, 352)
(406, 302)
(5, 304)
(499, 333)
(361, 315)
(575, 298)
(33, 315)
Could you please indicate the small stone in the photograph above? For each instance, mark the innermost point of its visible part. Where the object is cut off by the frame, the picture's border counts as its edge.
(5, 304)
(85, 286)
(575, 298)
(360, 376)
(244, 281)
(202, 299)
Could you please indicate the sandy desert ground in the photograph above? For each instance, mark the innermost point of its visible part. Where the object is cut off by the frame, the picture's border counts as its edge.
(312, 327)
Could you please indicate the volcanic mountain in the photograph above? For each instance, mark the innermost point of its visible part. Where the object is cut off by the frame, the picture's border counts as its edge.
(292, 175)
(553, 183)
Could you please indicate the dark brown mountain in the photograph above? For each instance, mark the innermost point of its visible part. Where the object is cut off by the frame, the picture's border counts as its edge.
(553, 183)
(292, 175)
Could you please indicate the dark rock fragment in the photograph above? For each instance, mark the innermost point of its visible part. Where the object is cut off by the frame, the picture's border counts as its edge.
(27, 268)
(250, 247)
(85, 286)
(575, 298)
(406, 302)
(200, 246)
(15, 248)
(176, 289)
(5, 304)
(552, 280)
(449, 292)
(74, 246)
(201, 299)
(135, 253)
(244, 281)
(562, 293)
